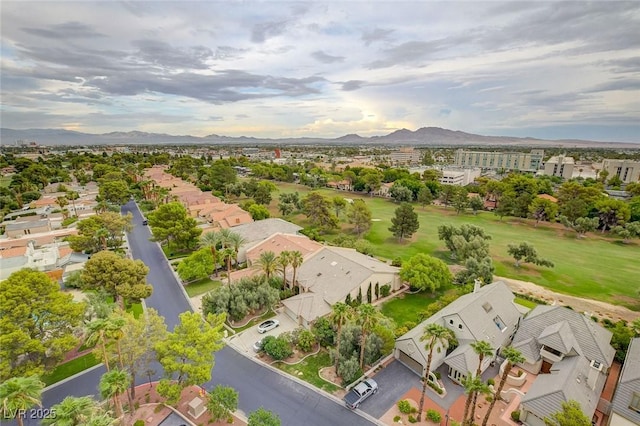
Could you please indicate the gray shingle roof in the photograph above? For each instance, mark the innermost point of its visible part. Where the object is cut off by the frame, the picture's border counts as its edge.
(18, 226)
(592, 339)
(263, 229)
(560, 337)
(463, 358)
(629, 383)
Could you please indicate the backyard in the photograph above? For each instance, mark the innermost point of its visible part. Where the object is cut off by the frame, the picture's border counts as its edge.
(594, 267)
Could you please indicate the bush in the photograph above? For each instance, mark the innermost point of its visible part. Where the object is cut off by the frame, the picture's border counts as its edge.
(410, 324)
(515, 416)
(397, 262)
(396, 419)
(324, 332)
(306, 340)
(413, 419)
(385, 290)
(138, 422)
(349, 370)
(491, 382)
(404, 406)
(435, 387)
(400, 331)
(277, 348)
(434, 416)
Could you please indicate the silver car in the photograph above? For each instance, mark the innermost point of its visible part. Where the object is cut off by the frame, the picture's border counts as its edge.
(268, 325)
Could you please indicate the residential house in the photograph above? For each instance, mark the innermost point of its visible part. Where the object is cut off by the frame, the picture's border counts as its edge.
(279, 242)
(332, 275)
(46, 258)
(571, 355)
(256, 232)
(26, 227)
(488, 313)
(625, 408)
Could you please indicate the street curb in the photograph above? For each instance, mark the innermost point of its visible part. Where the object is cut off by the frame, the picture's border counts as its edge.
(53, 386)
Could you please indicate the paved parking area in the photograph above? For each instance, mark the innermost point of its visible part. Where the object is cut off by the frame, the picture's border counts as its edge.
(244, 341)
(394, 381)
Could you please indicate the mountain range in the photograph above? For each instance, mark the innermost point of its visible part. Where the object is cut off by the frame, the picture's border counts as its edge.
(425, 136)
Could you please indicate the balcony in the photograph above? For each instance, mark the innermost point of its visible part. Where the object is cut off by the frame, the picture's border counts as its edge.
(551, 354)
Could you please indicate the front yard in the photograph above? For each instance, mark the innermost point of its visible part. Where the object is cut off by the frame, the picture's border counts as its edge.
(309, 370)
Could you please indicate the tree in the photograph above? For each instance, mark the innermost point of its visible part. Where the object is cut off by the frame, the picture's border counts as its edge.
(340, 314)
(73, 411)
(542, 209)
(227, 255)
(222, 402)
(339, 204)
(187, 352)
(73, 196)
(368, 317)
(476, 204)
(425, 272)
(197, 265)
(434, 334)
(18, 394)
(482, 269)
(360, 216)
(400, 193)
(460, 200)
(101, 232)
(405, 222)
(234, 241)
(122, 278)
(171, 224)
(211, 240)
(221, 174)
(505, 206)
(37, 323)
(277, 348)
(473, 385)
(268, 262)
(262, 417)
(447, 193)
(513, 356)
(262, 195)
(570, 415)
(114, 191)
(612, 212)
(425, 196)
(483, 349)
(317, 209)
(576, 200)
(628, 231)
(296, 260)
(63, 202)
(582, 225)
(465, 242)
(114, 383)
(525, 251)
(258, 212)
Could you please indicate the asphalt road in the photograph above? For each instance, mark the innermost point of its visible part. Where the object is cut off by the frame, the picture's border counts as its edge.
(258, 386)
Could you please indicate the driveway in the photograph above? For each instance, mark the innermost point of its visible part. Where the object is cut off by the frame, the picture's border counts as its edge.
(243, 342)
(394, 381)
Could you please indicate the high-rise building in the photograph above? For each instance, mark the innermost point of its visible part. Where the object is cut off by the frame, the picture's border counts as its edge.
(627, 170)
(517, 161)
(559, 166)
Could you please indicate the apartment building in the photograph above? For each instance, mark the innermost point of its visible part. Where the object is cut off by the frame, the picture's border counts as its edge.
(559, 166)
(627, 170)
(518, 161)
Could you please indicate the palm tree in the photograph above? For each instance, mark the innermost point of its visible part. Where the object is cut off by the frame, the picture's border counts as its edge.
(235, 241)
(19, 394)
(225, 237)
(100, 419)
(227, 255)
(73, 411)
(296, 260)
(96, 334)
(368, 318)
(73, 196)
(211, 240)
(483, 349)
(472, 386)
(513, 357)
(112, 384)
(433, 334)
(340, 314)
(284, 260)
(63, 202)
(268, 263)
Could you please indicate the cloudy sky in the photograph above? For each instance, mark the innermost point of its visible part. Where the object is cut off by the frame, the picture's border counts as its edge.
(278, 69)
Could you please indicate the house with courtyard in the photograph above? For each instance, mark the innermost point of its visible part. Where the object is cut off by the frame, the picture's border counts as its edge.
(625, 408)
(571, 355)
(257, 232)
(489, 313)
(335, 274)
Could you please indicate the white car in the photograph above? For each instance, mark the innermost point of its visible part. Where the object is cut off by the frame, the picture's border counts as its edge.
(268, 325)
(257, 346)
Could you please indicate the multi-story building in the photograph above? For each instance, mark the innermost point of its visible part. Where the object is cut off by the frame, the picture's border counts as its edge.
(559, 166)
(461, 177)
(406, 156)
(627, 170)
(518, 161)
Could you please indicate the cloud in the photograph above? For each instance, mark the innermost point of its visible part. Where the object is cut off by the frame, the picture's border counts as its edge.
(325, 58)
(161, 53)
(376, 34)
(352, 85)
(67, 30)
(266, 30)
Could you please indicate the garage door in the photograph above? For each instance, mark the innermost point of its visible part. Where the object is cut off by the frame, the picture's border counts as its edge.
(411, 363)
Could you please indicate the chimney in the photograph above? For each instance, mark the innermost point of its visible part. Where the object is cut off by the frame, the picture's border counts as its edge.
(595, 368)
(477, 283)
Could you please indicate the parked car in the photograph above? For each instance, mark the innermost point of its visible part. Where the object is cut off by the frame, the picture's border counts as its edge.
(145, 222)
(257, 346)
(359, 393)
(268, 325)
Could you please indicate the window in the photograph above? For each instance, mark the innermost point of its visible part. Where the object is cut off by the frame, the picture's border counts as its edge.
(635, 402)
(499, 323)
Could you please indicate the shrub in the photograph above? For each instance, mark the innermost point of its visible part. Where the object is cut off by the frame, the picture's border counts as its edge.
(491, 382)
(412, 419)
(397, 262)
(349, 370)
(396, 419)
(404, 406)
(410, 324)
(435, 387)
(515, 416)
(138, 422)
(400, 331)
(385, 290)
(306, 340)
(434, 416)
(438, 375)
(277, 348)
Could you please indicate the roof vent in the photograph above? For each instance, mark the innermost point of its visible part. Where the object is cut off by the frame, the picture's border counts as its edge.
(334, 263)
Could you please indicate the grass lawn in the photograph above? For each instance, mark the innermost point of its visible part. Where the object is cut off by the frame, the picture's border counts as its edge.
(526, 303)
(309, 369)
(202, 286)
(70, 368)
(171, 254)
(5, 181)
(593, 267)
(406, 307)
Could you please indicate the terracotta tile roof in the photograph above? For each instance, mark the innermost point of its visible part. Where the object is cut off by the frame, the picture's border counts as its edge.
(278, 243)
(13, 252)
(548, 197)
(64, 251)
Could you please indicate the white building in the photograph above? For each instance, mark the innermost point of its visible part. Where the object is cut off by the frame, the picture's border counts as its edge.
(519, 161)
(461, 177)
(627, 170)
(559, 166)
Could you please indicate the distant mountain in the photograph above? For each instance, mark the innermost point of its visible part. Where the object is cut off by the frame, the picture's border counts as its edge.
(434, 136)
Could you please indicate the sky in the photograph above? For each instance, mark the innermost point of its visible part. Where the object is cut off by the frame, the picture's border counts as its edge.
(552, 70)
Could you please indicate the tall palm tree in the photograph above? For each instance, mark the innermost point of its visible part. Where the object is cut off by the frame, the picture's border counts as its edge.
(472, 386)
(19, 394)
(113, 384)
(235, 242)
(96, 335)
(340, 314)
(513, 357)
(73, 196)
(73, 411)
(225, 237)
(483, 349)
(227, 255)
(296, 260)
(284, 260)
(433, 334)
(368, 317)
(211, 240)
(267, 262)
(63, 202)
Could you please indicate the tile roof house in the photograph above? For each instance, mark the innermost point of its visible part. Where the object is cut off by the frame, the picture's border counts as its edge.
(571, 355)
(279, 242)
(255, 232)
(46, 258)
(27, 227)
(488, 313)
(625, 408)
(330, 275)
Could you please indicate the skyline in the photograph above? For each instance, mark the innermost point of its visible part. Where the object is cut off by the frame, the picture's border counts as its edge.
(279, 70)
